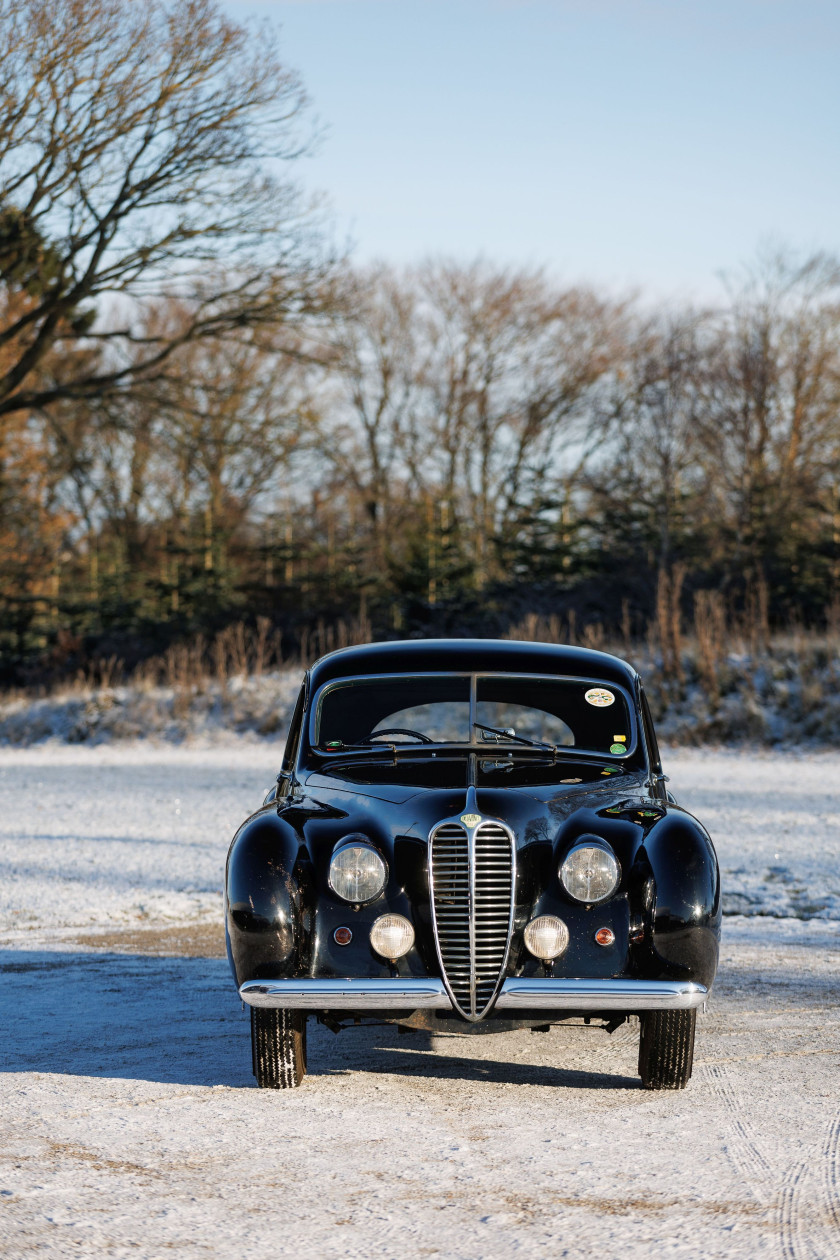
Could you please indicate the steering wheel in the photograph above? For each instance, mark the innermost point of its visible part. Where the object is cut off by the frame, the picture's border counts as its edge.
(398, 730)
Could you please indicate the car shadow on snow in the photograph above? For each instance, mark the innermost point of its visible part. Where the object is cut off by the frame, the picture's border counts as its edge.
(132, 1016)
(177, 1021)
(441, 1062)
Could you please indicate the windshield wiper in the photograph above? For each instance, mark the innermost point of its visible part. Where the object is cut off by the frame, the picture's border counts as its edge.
(337, 746)
(518, 739)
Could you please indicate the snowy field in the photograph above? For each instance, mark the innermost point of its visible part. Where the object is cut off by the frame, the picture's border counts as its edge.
(131, 1127)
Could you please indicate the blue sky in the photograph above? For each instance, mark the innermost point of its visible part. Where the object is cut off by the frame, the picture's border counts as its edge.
(624, 142)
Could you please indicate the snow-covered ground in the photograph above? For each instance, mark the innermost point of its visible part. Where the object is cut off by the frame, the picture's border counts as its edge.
(129, 1125)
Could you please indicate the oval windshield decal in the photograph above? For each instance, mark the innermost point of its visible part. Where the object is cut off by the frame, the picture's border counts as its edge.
(599, 696)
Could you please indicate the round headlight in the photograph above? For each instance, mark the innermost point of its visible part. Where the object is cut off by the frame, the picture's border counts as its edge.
(392, 936)
(357, 872)
(546, 937)
(590, 873)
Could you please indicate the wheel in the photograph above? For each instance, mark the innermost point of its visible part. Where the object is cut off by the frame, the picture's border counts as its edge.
(666, 1048)
(278, 1047)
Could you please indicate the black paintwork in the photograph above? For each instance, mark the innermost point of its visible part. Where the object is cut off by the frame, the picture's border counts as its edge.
(281, 913)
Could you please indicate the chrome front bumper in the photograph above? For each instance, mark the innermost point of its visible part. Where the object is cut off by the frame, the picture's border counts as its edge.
(547, 994)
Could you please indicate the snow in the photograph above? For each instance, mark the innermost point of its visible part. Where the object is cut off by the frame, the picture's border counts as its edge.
(129, 1125)
(124, 834)
(121, 834)
(244, 707)
(775, 821)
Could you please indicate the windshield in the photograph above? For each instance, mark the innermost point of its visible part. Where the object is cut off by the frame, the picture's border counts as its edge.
(484, 710)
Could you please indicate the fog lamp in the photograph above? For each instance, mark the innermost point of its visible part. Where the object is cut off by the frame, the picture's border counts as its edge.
(357, 872)
(546, 937)
(392, 936)
(590, 872)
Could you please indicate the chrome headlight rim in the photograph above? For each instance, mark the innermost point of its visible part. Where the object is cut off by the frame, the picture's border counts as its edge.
(603, 846)
(357, 840)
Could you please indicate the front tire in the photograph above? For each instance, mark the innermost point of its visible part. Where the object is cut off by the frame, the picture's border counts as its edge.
(666, 1048)
(278, 1047)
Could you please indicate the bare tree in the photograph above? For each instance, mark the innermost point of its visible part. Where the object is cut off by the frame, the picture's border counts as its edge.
(653, 410)
(770, 419)
(459, 403)
(134, 142)
(374, 394)
(513, 360)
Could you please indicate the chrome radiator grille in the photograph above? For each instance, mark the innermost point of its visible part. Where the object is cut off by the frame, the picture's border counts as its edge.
(472, 876)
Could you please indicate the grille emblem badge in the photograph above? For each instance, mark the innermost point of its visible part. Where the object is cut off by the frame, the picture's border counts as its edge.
(471, 820)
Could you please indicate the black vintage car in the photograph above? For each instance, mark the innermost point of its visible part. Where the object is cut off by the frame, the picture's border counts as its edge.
(472, 834)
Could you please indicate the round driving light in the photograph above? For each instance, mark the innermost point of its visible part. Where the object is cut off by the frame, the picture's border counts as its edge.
(357, 873)
(546, 937)
(605, 936)
(342, 936)
(392, 936)
(590, 873)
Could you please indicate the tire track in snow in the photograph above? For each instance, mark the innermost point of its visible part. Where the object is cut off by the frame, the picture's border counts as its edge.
(831, 1170)
(744, 1151)
(792, 1217)
(795, 1245)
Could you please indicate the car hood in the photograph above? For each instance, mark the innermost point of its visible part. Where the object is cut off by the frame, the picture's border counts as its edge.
(533, 813)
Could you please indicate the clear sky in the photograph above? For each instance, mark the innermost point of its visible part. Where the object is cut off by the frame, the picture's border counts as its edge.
(626, 142)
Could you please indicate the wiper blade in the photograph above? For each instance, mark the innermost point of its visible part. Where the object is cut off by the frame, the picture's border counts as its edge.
(517, 739)
(337, 749)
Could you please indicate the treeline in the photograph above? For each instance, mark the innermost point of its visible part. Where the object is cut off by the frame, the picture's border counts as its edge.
(208, 416)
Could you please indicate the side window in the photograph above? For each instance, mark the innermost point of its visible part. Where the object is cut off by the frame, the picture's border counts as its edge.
(293, 737)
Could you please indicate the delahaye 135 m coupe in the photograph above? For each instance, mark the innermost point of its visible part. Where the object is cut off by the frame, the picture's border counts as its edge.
(466, 835)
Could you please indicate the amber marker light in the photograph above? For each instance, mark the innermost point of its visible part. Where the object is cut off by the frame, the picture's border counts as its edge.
(605, 936)
(342, 936)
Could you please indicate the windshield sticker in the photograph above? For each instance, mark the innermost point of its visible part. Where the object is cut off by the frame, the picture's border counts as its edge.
(617, 748)
(600, 697)
(620, 739)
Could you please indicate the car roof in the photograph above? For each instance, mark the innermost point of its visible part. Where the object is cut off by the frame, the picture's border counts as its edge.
(417, 656)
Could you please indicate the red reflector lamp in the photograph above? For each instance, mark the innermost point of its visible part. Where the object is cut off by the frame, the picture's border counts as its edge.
(342, 936)
(605, 936)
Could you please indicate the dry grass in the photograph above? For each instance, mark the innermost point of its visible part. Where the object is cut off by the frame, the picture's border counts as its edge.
(187, 940)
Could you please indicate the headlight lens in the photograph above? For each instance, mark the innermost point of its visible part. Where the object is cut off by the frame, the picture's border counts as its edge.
(590, 873)
(392, 936)
(546, 937)
(357, 872)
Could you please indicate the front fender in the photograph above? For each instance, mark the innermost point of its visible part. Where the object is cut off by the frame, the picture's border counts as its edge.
(267, 885)
(685, 916)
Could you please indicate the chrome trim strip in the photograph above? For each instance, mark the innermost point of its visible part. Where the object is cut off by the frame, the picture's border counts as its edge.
(599, 995)
(471, 807)
(349, 994)
(549, 994)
